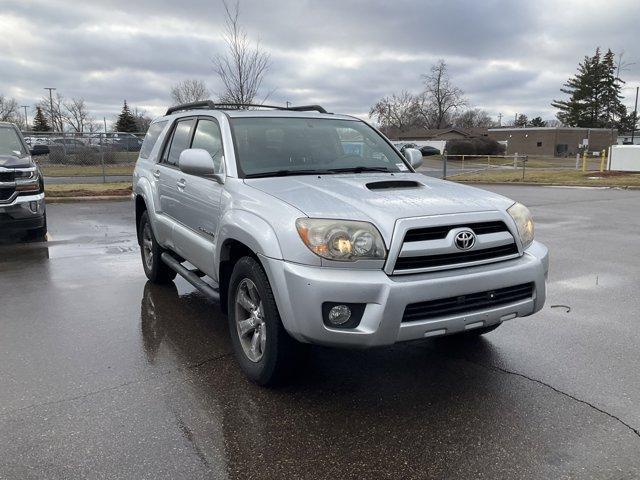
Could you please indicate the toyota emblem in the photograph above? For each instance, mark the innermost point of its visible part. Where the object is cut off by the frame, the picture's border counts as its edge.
(465, 239)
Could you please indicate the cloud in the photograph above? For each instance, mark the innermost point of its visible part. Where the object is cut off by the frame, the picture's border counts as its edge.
(509, 57)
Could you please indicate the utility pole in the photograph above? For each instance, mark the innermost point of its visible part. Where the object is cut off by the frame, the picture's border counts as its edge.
(26, 118)
(288, 103)
(53, 122)
(635, 117)
(500, 119)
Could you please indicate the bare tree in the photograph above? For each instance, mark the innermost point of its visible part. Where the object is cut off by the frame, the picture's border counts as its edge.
(53, 112)
(440, 100)
(474, 118)
(189, 90)
(8, 109)
(396, 112)
(143, 120)
(242, 69)
(76, 115)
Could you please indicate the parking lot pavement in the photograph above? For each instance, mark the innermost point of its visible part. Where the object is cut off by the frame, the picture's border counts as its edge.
(103, 375)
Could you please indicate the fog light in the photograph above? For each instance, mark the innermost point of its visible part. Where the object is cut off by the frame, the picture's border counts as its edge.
(33, 206)
(339, 315)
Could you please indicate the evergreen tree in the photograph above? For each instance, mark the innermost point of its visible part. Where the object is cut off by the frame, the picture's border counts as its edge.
(40, 123)
(537, 122)
(594, 94)
(126, 120)
(521, 121)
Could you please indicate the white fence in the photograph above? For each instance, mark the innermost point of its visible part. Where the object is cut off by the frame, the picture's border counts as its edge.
(625, 158)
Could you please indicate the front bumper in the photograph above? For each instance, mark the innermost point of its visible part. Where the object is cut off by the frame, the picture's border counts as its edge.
(25, 212)
(301, 290)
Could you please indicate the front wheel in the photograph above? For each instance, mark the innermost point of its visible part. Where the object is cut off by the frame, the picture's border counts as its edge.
(39, 234)
(265, 351)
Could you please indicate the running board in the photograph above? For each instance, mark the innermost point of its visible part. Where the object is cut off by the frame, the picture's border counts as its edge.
(190, 276)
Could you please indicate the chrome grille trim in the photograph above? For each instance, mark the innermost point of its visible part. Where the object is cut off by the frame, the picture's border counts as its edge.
(501, 240)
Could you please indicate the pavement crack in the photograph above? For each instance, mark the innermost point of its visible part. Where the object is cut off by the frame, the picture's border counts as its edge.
(557, 390)
(81, 397)
(209, 360)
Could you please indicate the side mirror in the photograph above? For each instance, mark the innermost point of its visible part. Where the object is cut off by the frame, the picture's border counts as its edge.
(39, 150)
(196, 161)
(414, 156)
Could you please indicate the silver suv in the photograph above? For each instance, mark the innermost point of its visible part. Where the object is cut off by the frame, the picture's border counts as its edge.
(22, 207)
(310, 227)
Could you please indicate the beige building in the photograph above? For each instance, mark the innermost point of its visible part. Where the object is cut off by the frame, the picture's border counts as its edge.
(556, 141)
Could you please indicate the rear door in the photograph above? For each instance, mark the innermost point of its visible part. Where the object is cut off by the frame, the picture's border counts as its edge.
(200, 198)
(168, 174)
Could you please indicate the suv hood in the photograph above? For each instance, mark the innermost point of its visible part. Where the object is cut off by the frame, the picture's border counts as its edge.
(10, 161)
(350, 197)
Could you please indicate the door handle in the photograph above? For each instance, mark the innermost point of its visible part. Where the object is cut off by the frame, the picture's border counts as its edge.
(156, 174)
(182, 183)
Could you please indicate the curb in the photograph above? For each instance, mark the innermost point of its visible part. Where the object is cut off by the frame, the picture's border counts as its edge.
(530, 184)
(96, 198)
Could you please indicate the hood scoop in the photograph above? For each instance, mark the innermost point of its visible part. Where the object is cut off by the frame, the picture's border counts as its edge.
(393, 185)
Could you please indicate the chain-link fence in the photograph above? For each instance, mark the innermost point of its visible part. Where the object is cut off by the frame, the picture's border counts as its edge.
(85, 157)
(512, 168)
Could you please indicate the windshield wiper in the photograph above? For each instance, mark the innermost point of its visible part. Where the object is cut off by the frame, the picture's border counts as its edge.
(285, 173)
(359, 169)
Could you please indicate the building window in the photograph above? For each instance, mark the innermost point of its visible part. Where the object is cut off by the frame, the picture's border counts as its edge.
(539, 144)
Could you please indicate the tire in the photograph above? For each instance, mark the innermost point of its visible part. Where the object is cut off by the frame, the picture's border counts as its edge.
(39, 234)
(276, 354)
(154, 268)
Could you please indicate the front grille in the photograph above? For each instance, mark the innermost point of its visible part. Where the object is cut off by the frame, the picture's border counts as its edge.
(435, 233)
(410, 263)
(7, 176)
(6, 193)
(469, 303)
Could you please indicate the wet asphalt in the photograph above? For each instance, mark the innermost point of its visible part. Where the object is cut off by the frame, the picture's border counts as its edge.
(103, 375)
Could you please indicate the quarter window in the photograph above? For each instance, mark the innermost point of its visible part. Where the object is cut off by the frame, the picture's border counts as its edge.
(151, 138)
(208, 137)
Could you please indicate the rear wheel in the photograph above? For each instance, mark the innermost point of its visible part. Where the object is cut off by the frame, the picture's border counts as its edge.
(154, 268)
(265, 351)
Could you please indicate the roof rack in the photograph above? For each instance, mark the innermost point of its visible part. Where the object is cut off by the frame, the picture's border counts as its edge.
(210, 105)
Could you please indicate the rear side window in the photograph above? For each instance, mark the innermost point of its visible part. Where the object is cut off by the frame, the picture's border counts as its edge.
(179, 142)
(151, 138)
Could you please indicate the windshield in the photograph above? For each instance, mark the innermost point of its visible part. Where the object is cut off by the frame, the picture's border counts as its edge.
(298, 146)
(10, 143)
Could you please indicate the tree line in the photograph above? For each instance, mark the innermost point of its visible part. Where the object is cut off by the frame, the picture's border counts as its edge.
(59, 114)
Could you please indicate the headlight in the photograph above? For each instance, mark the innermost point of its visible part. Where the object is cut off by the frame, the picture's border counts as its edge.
(27, 180)
(342, 240)
(522, 216)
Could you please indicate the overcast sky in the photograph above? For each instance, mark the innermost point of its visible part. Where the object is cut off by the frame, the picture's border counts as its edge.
(508, 56)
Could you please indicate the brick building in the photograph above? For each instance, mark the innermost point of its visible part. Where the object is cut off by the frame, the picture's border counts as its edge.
(556, 141)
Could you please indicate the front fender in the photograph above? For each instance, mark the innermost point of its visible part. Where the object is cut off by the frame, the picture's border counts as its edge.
(249, 229)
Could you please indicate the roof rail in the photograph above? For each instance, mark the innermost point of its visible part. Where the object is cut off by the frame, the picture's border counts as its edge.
(208, 104)
(308, 108)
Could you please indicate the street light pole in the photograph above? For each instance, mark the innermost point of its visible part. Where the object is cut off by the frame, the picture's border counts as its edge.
(635, 117)
(26, 118)
(53, 122)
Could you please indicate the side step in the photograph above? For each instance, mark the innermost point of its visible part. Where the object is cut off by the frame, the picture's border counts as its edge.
(192, 277)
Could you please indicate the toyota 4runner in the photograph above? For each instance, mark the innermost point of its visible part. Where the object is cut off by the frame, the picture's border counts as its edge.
(310, 227)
